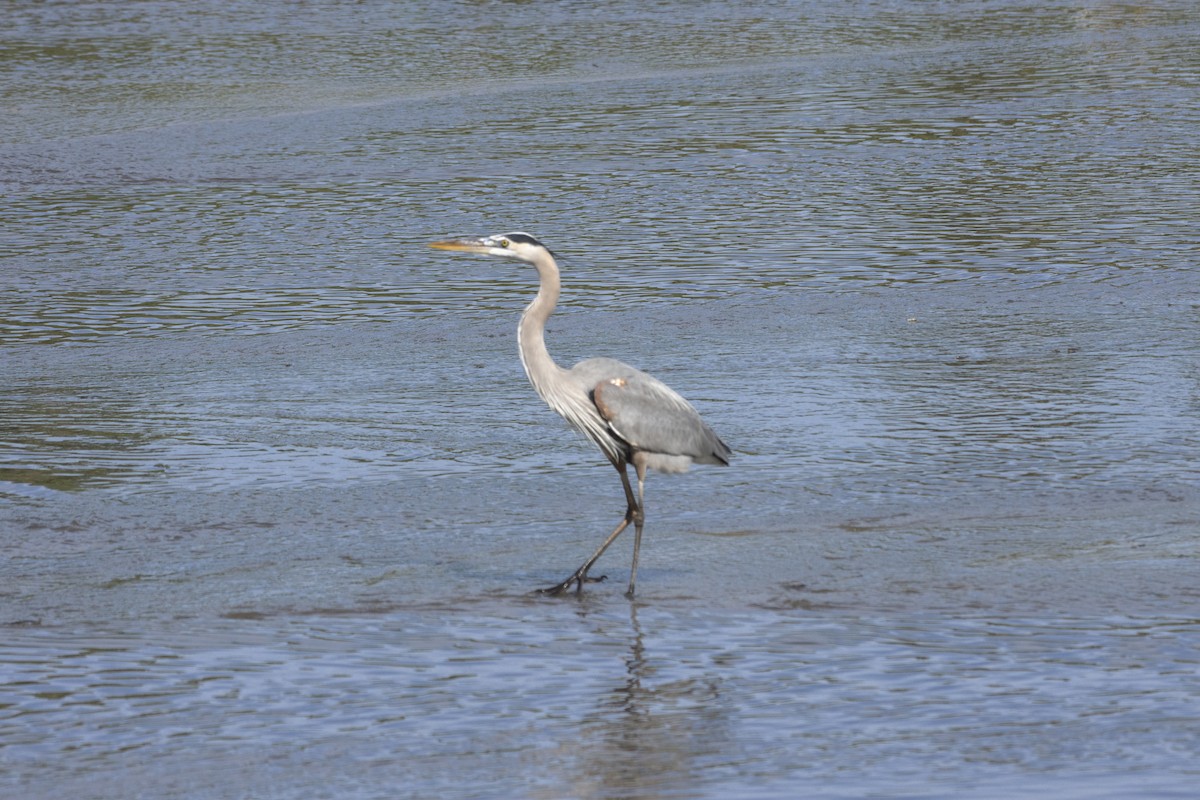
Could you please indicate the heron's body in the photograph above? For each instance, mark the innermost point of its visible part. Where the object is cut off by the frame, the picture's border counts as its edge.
(632, 417)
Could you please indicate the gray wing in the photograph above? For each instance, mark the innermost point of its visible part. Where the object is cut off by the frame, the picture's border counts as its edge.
(652, 417)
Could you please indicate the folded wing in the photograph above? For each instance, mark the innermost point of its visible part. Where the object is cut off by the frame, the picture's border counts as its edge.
(656, 420)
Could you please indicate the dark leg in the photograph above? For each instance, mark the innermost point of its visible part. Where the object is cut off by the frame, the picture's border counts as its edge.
(580, 576)
(639, 516)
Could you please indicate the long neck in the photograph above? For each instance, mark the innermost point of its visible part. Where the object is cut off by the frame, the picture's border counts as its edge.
(531, 339)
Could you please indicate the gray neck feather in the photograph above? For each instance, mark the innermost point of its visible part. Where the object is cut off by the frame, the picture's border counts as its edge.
(553, 383)
(531, 340)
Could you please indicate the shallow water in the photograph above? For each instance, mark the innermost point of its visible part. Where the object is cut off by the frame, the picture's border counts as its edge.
(602, 699)
(273, 487)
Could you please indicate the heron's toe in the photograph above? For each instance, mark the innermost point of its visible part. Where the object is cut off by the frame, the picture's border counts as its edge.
(575, 580)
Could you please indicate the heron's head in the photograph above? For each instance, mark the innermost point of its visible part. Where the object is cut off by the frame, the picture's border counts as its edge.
(510, 245)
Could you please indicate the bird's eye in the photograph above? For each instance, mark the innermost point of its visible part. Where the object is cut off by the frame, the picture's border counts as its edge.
(503, 242)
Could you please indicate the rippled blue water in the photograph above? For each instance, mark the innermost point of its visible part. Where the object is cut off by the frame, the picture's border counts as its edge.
(273, 486)
(592, 700)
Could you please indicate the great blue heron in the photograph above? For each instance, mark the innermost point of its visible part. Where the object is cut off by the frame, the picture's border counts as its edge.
(632, 417)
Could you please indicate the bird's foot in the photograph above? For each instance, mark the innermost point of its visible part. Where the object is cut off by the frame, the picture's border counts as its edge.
(577, 580)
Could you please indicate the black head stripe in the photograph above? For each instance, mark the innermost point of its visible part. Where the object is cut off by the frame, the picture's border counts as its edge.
(523, 238)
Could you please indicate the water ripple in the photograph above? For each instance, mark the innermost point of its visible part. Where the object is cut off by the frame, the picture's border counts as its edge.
(867, 695)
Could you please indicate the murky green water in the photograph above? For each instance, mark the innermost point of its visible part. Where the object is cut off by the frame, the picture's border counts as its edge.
(273, 485)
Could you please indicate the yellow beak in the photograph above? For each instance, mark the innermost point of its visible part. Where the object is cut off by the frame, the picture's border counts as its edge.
(461, 245)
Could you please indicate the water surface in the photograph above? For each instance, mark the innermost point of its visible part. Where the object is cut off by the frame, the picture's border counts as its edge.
(273, 488)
